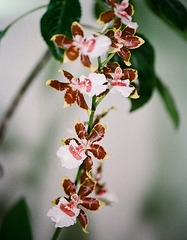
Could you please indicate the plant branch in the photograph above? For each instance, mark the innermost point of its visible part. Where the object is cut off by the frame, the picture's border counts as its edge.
(56, 234)
(36, 70)
(20, 17)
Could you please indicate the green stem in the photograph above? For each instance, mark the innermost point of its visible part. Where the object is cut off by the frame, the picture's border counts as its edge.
(99, 65)
(95, 103)
(90, 123)
(56, 234)
(78, 175)
(18, 97)
(23, 15)
(107, 60)
(101, 98)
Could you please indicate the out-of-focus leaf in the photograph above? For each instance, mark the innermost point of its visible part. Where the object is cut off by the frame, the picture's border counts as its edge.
(168, 102)
(99, 7)
(3, 32)
(1, 171)
(16, 223)
(143, 60)
(57, 20)
(172, 11)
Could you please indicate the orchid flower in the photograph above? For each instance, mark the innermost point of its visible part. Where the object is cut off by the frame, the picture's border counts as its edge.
(91, 85)
(122, 41)
(120, 79)
(123, 11)
(73, 152)
(90, 47)
(66, 210)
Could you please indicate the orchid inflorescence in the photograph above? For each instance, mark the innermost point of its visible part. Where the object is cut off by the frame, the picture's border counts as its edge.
(106, 77)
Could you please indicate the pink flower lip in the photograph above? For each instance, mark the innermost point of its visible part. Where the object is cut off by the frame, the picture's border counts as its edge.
(118, 83)
(67, 208)
(75, 151)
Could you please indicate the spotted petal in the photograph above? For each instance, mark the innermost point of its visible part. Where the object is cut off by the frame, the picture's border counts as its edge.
(77, 29)
(71, 54)
(88, 164)
(125, 55)
(111, 3)
(69, 97)
(97, 133)
(130, 74)
(130, 10)
(87, 187)
(132, 42)
(128, 31)
(62, 41)
(112, 66)
(86, 61)
(98, 152)
(81, 101)
(68, 186)
(117, 24)
(106, 17)
(80, 130)
(92, 204)
(67, 74)
(83, 219)
(57, 85)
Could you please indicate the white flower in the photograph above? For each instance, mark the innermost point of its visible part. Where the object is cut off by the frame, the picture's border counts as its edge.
(72, 155)
(123, 15)
(96, 46)
(122, 87)
(64, 214)
(93, 84)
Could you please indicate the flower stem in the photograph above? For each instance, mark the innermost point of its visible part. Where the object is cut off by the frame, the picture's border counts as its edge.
(36, 70)
(78, 175)
(107, 60)
(22, 16)
(95, 103)
(90, 123)
(56, 234)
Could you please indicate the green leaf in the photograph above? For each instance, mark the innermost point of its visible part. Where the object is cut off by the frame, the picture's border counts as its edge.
(16, 224)
(3, 32)
(142, 59)
(57, 20)
(168, 102)
(172, 11)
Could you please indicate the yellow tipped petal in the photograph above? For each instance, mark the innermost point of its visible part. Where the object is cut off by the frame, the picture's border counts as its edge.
(48, 82)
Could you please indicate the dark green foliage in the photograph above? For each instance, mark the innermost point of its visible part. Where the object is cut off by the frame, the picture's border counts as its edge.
(143, 60)
(57, 20)
(168, 102)
(16, 223)
(172, 11)
(99, 7)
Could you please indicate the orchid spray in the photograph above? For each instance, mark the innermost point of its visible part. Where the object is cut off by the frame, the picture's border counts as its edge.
(117, 60)
(106, 77)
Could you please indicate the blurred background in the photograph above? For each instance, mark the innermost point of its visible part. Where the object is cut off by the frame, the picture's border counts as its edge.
(147, 169)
